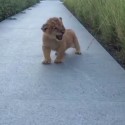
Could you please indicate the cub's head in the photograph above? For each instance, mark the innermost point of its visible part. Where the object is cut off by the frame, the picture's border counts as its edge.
(54, 27)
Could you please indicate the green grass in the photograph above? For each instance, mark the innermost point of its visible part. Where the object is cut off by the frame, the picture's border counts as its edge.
(10, 7)
(104, 16)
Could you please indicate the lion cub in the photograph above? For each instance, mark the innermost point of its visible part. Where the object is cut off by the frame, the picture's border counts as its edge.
(56, 37)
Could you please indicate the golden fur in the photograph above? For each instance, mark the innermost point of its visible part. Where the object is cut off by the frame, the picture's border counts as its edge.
(56, 37)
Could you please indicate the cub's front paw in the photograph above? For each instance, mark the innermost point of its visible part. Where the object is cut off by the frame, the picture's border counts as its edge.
(58, 61)
(78, 53)
(46, 62)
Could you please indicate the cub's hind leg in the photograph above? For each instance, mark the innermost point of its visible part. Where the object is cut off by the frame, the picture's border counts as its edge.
(77, 46)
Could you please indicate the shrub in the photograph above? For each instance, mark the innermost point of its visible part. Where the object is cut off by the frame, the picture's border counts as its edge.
(104, 16)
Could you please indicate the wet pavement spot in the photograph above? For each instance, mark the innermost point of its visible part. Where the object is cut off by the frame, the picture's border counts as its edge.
(12, 18)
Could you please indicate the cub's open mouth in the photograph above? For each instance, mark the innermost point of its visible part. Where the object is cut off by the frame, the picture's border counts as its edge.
(59, 37)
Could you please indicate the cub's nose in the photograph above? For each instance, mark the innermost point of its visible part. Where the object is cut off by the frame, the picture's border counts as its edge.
(63, 31)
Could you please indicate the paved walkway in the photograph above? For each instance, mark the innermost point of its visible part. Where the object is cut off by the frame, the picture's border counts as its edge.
(84, 90)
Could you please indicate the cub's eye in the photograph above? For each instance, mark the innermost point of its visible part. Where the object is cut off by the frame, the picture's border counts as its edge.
(54, 28)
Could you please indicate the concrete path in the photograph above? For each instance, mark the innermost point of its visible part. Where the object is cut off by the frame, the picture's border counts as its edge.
(84, 90)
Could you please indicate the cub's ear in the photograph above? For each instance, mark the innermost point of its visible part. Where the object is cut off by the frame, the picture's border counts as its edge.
(60, 18)
(44, 27)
